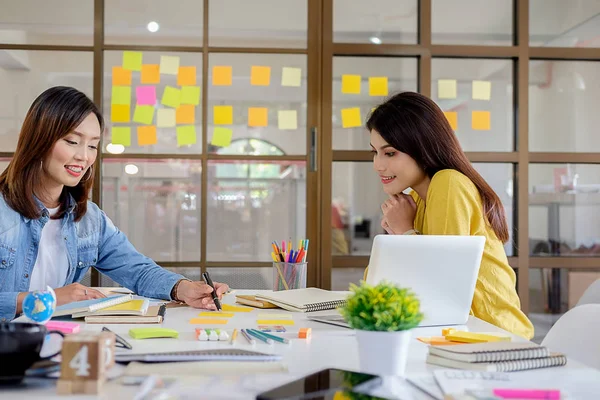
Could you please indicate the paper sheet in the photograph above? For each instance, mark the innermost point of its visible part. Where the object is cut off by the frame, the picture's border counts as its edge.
(291, 77)
(221, 75)
(121, 135)
(150, 74)
(186, 135)
(257, 116)
(186, 76)
(287, 119)
(121, 76)
(221, 138)
(146, 135)
(165, 117)
(120, 113)
(260, 75)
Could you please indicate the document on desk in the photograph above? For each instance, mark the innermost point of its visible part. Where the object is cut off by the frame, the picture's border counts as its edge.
(194, 368)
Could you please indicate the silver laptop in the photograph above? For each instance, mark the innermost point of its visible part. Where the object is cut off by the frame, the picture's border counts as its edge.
(440, 270)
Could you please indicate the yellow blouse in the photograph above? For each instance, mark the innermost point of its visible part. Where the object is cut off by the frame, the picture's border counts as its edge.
(454, 207)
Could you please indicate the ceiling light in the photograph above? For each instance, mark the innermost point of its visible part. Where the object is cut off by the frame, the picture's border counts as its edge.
(115, 148)
(131, 169)
(153, 26)
(375, 40)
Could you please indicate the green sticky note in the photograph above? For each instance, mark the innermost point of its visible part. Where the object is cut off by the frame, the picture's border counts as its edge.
(186, 135)
(149, 333)
(143, 114)
(121, 95)
(121, 135)
(132, 60)
(190, 95)
(221, 137)
(171, 97)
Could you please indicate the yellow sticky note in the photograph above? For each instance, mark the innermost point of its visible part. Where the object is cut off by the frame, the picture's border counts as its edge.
(171, 97)
(482, 90)
(143, 114)
(480, 120)
(132, 60)
(274, 316)
(473, 337)
(260, 76)
(165, 117)
(229, 307)
(190, 95)
(150, 74)
(121, 76)
(221, 138)
(275, 322)
(185, 114)
(257, 116)
(287, 119)
(146, 135)
(186, 76)
(169, 65)
(452, 117)
(209, 321)
(351, 117)
(221, 75)
(378, 86)
(216, 314)
(291, 77)
(186, 135)
(447, 89)
(120, 112)
(121, 135)
(223, 115)
(351, 84)
(121, 95)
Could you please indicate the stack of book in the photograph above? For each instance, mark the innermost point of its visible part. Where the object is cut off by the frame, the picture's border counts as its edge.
(495, 356)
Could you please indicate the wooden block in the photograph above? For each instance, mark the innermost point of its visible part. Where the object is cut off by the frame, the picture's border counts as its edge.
(304, 333)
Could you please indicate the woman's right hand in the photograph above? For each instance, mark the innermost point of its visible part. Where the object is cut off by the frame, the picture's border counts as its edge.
(76, 292)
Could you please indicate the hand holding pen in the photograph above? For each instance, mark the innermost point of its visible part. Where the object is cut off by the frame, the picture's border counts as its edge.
(201, 294)
(214, 294)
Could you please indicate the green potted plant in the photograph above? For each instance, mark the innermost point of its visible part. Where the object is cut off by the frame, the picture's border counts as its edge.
(382, 316)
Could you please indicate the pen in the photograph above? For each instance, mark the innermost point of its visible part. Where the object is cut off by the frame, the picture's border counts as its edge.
(248, 338)
(233, 336)
(209, 282)
(118, 339)
(259, 336)
(275, 338)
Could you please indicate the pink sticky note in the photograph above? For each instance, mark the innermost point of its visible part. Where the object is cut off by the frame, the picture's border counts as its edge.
(63, 326)
(146, 95)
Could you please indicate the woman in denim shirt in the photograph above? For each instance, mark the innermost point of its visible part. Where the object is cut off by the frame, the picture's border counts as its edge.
(50, 234)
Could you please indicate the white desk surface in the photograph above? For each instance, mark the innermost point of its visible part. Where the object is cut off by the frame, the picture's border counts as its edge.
(329, 347)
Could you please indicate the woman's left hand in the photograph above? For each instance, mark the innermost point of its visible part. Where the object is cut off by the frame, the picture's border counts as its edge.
(198, 294)
(398, 213)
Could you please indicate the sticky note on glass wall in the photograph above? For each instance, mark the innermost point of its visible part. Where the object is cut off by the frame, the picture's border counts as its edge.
(351, 84)
(482, 90)
(145, 95)
(260, 76)
(121, 76)
(351, 117)
(186, 76)
(221, 137)
(221, 75)
(257, 116)
(146, 135)
(165, 117)
(190, 95)
(143, 114)
(121, 95)
(132, 60)
(447, 89)
(223, 115)
(186, 135)
(481, 120)
(120, 112)
(452, 117)
(287, 119)
(185, 114)
(378, 86)
(150, 74)
(121, 135)
(169, 65)
(291, 77)
(171, 97)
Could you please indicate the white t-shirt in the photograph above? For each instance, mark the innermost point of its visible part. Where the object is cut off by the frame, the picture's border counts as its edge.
(51, 265)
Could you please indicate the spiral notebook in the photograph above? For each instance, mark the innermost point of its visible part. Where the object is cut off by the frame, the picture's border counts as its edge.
(490, 352)
(85, 306)
(199, 355)
(554, 360)
(306, 300)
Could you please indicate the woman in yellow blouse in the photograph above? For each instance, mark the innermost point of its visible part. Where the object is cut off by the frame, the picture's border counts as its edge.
(414, 147)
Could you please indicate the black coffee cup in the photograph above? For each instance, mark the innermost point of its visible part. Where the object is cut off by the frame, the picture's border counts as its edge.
(20, 346)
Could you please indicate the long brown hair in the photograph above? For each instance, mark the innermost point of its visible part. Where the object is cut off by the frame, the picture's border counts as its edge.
(52, 116)
(415, 125)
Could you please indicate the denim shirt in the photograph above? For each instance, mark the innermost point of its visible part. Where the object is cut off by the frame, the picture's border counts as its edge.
(94, 241)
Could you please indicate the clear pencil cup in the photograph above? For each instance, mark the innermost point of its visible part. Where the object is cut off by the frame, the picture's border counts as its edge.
(289, 275)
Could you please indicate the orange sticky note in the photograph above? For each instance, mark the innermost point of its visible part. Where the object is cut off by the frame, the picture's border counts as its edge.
(351, 84)
(185, 114)
(480, 120)
(209, 321)
(221, 75)
(452, 117)
(186, 76)
(275, 322)
(120, 112)
(260, 76)
(223, 115)
(222, 138)
(150, 74)
(257, 116)
(351, 117)
(216, 314)
(146, 135)
(378, 86)
(121, 76)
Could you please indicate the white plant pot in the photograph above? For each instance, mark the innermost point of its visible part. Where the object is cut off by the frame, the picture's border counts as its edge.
(383, 353)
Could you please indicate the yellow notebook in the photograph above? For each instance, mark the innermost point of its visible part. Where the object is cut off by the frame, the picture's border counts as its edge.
(132, 307)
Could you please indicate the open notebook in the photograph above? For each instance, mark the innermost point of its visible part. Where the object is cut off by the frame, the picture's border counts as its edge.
(86, 306)
(131, 307)
(305, 300)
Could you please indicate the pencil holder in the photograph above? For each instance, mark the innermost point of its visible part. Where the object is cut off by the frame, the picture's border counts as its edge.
(289, 275)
